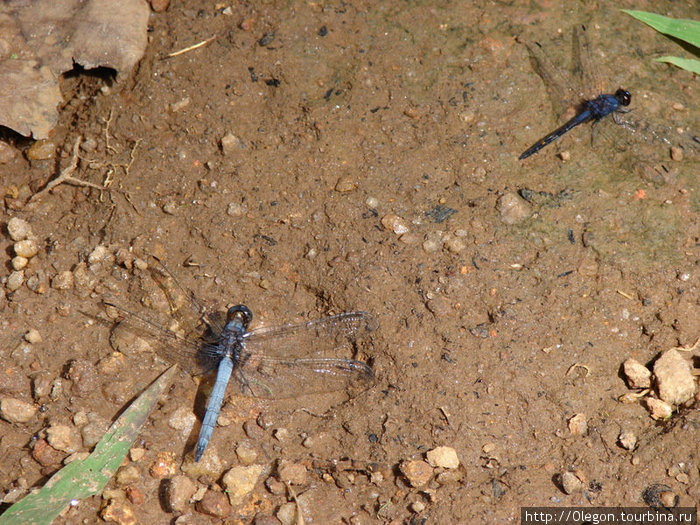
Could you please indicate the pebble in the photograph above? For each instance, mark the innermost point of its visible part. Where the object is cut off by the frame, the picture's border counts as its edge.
(159, 6)
(674, 379)
(134, 495)
(84, 377)
(235, 209)
(19, 229)
(287, 514)
(658, 409)
(513, 208)
(163, 466)
(99, 254)
(64, 438)
(94, 430)
(178, 493)
(570, 482)
(417, 472)
(292, 473)
(240, 481)
(246, 453)
(443, 457)
(89, 145)
(19, 262)
(33, 336)
(42, 150)
(372, 202)
(45, 454)
(417, 507)
(453, 243)
(128, 474)
(230, 143)
(345, 184)
(281, 434)
(26, 248)
(637, 375)
(578, 425)
(182, 419)
(676, 153)
(7, 153)
(432, 243)
(124, 258)
(16, 410)
(170, 208)
(395, 223)
(627, 439)
(118, 511)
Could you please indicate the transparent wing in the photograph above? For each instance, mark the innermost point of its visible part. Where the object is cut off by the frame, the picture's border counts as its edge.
(278, 378)
(195, 353)
(584, 68)
(324, 337)
(559, 84)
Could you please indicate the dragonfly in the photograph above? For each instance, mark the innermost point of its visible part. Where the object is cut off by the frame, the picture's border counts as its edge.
(593, 109)
(274, 362)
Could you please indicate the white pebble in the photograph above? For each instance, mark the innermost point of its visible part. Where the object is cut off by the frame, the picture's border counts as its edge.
(394, 223)
(19, 229)
(26, 248)
(98, 255)
(372, 202)
(33, 336)
(15, 280)
(19, 262)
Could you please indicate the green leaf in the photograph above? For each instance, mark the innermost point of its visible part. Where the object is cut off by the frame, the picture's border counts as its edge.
(688, 64)
(87, 477)
(686, 30)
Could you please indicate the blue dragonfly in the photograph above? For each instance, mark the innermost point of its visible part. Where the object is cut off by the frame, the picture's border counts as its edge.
(562, 90)
(276, 362)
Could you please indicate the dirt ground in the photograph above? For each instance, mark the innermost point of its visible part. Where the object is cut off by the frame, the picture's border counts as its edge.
(316, 158)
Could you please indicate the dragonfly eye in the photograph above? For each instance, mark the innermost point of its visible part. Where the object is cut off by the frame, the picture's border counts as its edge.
(240, 311)
(623, 97)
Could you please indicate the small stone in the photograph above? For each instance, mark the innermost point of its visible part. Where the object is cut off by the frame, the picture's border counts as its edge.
(417, 472)
(19, 262)
(26, 248)
(94, 430)
(64, 438)
(287, 514)
(89, 145)
(292, 473)
(19, 229)
(178, 493)
(182, 419)
(395, 223)
(668, 499)
(417, 507)
(570, 482)
(118, 511)
(170, 208)
(134, 495)
(124, 258)
(432, 243)
(7, 153)
(63, 280)
(513, 208)
(637, 375)
(45, 454)
(159, 6)
(246, 453)
(16, 410)
(578, 425)
(674, 379)
(240, 481)
(345, 184)
(231, 143)
(453, 243)
(163, 466)
(627, 440)
(659, 410)
(443, 457)
(42, 150)
(676, 153)
(128, 474)
(235, 209)
(33, 336)
(372, 202)
(99, 254)
(281, 434)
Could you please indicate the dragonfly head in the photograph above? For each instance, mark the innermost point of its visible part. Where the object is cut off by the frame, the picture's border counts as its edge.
(623, 97)
(241, 314)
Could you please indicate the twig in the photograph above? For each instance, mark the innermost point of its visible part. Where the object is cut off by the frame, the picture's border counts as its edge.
(191, 48)
(65, 175)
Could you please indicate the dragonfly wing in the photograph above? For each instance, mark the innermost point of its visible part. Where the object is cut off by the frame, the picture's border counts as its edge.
(271, 378)
(326, 337)
(192, 354)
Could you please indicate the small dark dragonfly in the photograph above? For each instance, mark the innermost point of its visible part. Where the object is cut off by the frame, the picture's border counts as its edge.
(595, 110)
(275, 362)
(589, 110)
